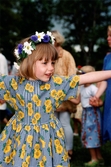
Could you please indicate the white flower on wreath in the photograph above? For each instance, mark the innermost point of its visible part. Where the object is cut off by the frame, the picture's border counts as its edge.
(52, 37)
(28, 48)
(40, 35)
(16, 53)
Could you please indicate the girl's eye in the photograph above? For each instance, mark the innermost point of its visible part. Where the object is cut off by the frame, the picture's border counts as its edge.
(53, 62)
(45, 62)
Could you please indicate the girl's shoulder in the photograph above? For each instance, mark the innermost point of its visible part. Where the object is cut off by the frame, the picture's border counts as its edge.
(66, 81)
(73, 77)
(11, 78)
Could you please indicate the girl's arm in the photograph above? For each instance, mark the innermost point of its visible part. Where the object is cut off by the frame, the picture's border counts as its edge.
(93, 77)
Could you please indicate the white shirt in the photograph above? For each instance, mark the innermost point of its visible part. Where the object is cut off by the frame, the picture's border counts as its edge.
(86, 93)
(3, 70)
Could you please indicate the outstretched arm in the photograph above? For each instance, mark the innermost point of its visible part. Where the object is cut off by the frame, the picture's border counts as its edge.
(93, 77)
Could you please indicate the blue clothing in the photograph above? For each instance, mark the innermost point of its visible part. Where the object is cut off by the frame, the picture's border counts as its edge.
(91, 127)
(107, 105)
(91, 118)
(34, 136)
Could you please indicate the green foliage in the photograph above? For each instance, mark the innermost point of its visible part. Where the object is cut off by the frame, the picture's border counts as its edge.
(81, 155)
(21, 18)
(86, 24)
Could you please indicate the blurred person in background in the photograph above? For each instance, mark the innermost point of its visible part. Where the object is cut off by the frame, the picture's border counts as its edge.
(65, 66)
(106, 128)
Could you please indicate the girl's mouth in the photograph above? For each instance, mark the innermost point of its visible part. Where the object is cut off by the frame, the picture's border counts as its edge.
(48, 75)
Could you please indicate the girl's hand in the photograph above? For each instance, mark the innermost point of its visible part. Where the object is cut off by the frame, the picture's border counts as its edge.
(95, 102)
(2, 101)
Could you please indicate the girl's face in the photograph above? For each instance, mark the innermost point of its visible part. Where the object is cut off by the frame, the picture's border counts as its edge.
(109, 38)
(44, 69)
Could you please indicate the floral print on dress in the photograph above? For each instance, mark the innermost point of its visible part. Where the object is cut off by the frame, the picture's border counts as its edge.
(34, 136)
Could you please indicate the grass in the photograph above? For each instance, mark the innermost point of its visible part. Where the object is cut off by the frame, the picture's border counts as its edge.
(81, 155)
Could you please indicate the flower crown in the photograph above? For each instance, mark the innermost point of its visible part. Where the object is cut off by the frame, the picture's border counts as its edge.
(25, 49)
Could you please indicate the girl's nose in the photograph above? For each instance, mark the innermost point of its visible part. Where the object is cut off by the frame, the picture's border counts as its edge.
(51, 66)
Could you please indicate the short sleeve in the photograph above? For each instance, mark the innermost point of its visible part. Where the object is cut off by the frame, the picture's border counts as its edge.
(107, 62)
(104, 63)
(7, 83)
(2, 87)
(66, 87)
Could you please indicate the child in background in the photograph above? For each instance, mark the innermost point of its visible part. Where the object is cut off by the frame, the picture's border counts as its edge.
(34, 136)
(91, 122)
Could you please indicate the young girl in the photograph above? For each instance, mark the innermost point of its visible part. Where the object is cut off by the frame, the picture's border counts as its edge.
(34, 136)
(91, 122)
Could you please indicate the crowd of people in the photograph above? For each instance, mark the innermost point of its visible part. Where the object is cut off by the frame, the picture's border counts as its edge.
(46, 76)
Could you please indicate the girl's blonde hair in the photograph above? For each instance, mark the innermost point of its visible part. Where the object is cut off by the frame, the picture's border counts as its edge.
(87, 68)
(109, 28)
(58, 37)
(43, 50)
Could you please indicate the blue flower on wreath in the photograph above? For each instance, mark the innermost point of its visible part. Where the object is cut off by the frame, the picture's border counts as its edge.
(20, 48)
(46, 39)
(34, 38)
